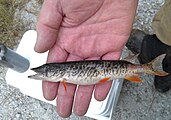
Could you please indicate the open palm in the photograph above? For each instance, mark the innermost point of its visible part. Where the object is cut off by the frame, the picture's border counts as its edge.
(80, 30)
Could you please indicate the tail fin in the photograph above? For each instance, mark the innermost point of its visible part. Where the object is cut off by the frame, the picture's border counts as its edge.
(156, 66)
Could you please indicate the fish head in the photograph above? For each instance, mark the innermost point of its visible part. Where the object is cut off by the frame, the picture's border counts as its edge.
(41, 69)
(42, 73)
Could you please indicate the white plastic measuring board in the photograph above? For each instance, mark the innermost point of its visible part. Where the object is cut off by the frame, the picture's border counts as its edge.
(97, 110)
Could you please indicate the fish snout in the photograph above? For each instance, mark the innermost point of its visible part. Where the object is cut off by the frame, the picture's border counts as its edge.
(40, 69)
(37, 77)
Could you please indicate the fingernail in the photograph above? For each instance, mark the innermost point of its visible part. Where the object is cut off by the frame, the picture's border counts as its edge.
(49, 90)
(64, 107)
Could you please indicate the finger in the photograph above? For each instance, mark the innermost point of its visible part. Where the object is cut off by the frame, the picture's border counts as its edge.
(56, 54)
(112, 56)
(49, 90)
(101, 90)
(65, 98)
(82, 99)
(83, 96)
(48, 25)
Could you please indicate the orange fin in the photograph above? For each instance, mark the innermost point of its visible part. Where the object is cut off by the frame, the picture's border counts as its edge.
(104, 80)
(134, 78)
(161, 74)
(64, 84)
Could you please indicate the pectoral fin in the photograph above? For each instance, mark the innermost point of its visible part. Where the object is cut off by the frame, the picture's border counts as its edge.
(104, 80)
(133, 78)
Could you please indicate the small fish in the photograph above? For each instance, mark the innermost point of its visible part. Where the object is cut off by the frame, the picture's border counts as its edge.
(97, 71)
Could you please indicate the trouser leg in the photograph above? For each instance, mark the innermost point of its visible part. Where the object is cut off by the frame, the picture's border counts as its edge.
(159, 43)
(153, 45)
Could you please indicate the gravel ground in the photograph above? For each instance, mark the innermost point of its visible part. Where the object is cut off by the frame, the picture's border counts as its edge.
(137, 101)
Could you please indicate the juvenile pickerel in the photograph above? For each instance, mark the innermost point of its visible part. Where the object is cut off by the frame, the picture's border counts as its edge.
(97, 71)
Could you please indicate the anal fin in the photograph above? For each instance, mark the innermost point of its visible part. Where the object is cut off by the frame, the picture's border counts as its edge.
(133, 78)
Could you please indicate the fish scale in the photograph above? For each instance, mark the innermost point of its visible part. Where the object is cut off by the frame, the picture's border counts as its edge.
(85, 70)
(96, 71)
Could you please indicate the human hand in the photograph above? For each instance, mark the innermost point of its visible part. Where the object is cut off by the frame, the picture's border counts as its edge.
(82, 30)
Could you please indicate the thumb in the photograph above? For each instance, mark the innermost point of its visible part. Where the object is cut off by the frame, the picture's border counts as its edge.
(48, 25)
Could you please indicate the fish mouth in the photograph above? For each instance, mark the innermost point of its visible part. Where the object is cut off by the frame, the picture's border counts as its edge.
(40, 69)
(36, 76)
(38, 73)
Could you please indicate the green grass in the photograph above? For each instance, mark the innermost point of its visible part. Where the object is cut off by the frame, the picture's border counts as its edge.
(9, 28)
